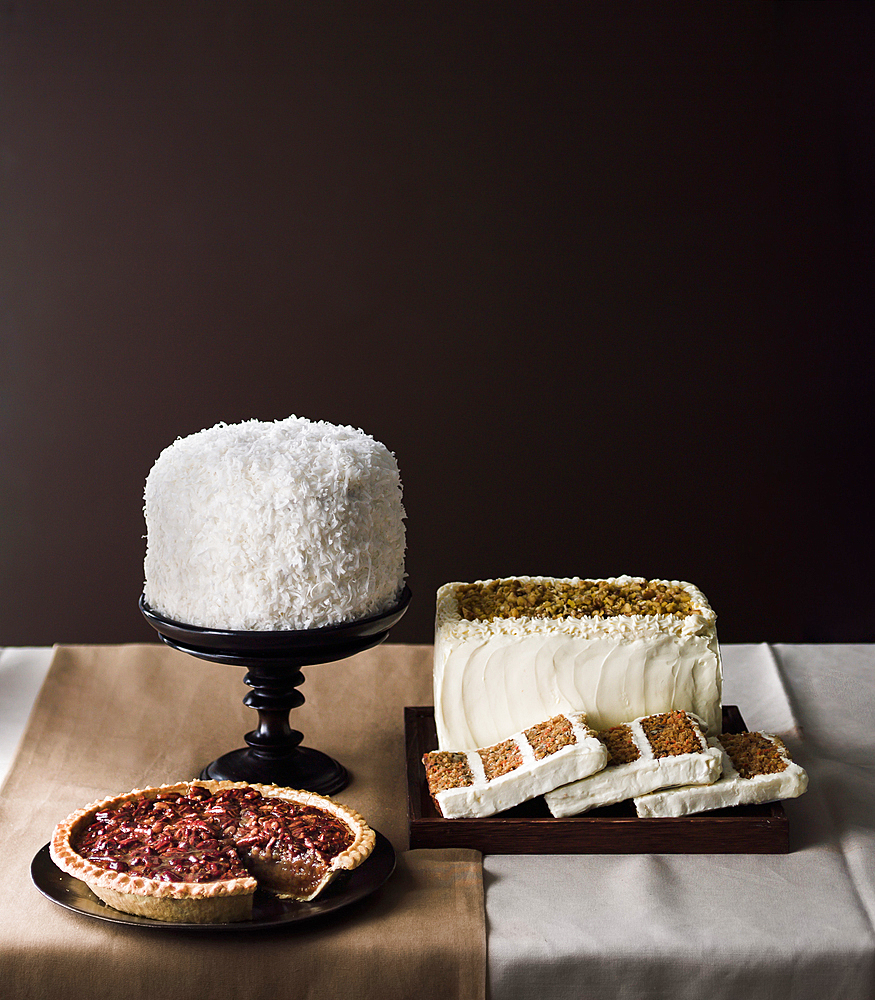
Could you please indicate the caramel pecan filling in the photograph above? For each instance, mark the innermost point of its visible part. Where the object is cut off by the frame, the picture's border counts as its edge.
(199, 836)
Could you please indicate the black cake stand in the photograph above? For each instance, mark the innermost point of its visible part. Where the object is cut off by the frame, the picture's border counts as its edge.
(273, 755)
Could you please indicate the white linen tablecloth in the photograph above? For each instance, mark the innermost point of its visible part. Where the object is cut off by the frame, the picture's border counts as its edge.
(22, 672)
(708, 927)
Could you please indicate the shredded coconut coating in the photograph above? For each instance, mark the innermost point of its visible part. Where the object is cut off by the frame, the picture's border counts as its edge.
(289, 525)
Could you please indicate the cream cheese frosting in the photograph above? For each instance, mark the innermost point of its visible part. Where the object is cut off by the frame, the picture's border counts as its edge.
(619, 782)
(495, 678)
(730, 790)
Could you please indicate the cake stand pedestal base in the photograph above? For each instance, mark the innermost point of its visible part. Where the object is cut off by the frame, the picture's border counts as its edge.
(304, 768)
(273, 755)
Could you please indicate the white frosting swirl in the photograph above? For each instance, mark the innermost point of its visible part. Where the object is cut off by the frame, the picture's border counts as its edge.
(492, 679)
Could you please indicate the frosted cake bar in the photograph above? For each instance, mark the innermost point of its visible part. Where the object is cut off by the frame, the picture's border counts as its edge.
(289, 525)
(489, 780)
(654, 752)
(512, 651)
(756, 768)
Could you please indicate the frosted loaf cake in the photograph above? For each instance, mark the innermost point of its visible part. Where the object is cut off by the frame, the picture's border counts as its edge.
(511, 652)
(756, 768)
(488, 780)
(294, 524)
(654, 752)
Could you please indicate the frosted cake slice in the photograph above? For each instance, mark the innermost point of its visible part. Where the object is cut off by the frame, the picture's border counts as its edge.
(649, 753)
(756, 768)
(513, 651)
(488, 780)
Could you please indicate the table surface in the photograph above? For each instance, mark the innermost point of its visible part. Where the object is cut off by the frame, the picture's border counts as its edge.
(798, 925)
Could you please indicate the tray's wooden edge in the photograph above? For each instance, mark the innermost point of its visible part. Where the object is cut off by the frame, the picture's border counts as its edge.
(739, 830)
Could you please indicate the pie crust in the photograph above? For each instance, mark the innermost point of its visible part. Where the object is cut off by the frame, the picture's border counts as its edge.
(294, 875)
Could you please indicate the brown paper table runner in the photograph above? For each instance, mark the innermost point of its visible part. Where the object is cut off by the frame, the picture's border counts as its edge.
(112, 718)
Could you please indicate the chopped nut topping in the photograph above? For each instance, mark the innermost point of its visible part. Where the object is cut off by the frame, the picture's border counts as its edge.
(620, 745)
(752, 753)
(513, 598)
(548, 737)
(447, 769)
(500, 759)
(670, 734)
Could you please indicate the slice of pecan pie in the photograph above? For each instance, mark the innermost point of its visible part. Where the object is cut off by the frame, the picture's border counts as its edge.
(196, 851)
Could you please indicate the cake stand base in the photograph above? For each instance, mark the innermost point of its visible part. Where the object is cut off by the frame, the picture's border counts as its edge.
(273, 755)
(303, 768)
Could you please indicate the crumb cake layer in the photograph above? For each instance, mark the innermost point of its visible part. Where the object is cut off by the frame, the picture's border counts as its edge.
(512, 651)
(620, 744)
(196, 851)
(754, 753)
(656, 751)
(488, 780)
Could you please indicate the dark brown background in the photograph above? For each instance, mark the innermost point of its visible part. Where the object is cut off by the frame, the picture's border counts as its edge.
(600, 275)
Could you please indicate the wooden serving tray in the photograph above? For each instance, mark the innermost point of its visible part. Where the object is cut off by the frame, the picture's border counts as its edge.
(530, 829)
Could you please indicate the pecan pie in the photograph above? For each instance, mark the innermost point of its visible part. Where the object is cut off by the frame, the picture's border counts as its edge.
(196, 851)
